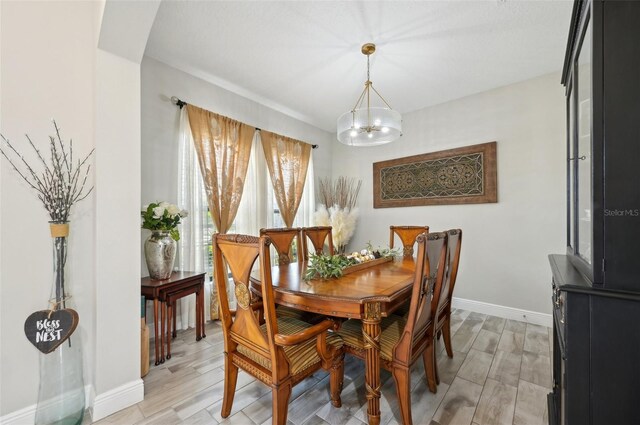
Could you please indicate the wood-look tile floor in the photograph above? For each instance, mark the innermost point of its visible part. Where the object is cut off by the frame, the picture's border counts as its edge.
(500, 374)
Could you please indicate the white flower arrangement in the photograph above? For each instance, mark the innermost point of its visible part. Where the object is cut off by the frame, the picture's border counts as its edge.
(163, 216)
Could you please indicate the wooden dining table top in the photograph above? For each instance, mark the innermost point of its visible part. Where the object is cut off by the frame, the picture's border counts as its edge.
(389, 283)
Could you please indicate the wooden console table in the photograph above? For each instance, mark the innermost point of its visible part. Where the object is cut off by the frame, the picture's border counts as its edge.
(164, 293)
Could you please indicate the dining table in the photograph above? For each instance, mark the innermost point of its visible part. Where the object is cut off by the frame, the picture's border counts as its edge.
(368, 294)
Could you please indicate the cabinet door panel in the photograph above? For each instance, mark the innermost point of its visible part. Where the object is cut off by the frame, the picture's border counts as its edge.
(571, 169)
(583, 149)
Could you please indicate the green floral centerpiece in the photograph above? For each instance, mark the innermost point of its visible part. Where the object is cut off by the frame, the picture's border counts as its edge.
(326, 266)
(162, 218)
(331, 266)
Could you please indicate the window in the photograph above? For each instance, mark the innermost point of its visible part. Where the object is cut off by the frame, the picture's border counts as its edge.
(259, 208)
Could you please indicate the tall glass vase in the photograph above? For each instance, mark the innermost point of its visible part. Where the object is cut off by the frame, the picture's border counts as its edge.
(61, 399)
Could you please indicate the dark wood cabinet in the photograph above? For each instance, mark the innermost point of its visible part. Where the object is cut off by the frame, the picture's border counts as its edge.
(596, 351)
(596, 284)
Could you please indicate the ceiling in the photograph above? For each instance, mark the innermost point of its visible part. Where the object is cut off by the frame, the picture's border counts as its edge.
(303, 57)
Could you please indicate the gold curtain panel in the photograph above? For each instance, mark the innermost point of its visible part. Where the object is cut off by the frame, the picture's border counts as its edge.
(287, 160)
(224, 147)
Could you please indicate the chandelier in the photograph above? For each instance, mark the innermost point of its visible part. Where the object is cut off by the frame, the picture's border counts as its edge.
(367, 125)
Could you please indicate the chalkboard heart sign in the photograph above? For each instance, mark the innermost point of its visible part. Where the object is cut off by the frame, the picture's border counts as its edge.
(47, 329)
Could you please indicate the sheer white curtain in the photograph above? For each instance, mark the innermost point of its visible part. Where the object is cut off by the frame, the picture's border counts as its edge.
(256, 210)
(195, 232)
(256, 207)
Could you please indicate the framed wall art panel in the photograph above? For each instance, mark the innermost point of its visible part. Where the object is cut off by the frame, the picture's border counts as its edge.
(466, 175)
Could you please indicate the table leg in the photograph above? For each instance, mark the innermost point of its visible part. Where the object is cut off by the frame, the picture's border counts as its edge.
(173, 306)
(155, 330)
(371, 335)
(198, 324)
(163, 310)
(202, 322)
(170, 312)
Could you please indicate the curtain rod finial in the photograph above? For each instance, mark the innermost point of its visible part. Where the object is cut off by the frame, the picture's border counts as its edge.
(179, 103)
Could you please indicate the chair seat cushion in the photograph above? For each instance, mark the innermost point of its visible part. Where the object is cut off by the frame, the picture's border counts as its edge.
(391, 327)
(301, 356)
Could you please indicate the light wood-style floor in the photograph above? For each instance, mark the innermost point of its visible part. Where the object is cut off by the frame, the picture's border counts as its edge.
(500, 374)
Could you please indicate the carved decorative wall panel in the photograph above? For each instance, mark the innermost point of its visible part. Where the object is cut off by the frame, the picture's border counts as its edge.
(465, 175)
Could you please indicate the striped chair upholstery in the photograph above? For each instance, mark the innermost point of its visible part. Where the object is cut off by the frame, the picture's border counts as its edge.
(391, 331)
(301, 356)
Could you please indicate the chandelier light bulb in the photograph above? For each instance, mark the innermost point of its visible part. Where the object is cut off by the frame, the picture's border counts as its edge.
(353, 133)
(385, 129)
(370, 135)
(377, 122)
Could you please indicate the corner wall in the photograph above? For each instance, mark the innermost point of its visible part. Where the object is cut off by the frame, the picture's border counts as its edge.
(505, 245)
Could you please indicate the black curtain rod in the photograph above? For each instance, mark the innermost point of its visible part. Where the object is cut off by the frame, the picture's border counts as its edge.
(180, 103)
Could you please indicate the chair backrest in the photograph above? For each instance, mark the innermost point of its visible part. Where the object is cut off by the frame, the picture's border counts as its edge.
(318, 235)
(240, 252)
(282, 240)
(453, 259)
(425, 296)
(407, 235)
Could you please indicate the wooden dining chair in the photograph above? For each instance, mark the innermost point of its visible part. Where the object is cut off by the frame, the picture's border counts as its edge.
(404, 339)
(407, 235)
(283, 241)
(282, 351)
(318, 235)
(443, 325)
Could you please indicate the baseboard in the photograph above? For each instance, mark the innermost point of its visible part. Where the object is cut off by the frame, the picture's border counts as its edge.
(27, 415)
(20, 417)
(504, 312)
(117, 399)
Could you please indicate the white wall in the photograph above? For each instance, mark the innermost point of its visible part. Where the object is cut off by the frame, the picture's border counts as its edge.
(505, 245)
(47, 72)
(160, 122)
(117, 231)
(51, 67)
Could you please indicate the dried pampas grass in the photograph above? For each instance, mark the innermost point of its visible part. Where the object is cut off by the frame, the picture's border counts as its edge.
(344, 193)
(338, 209)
